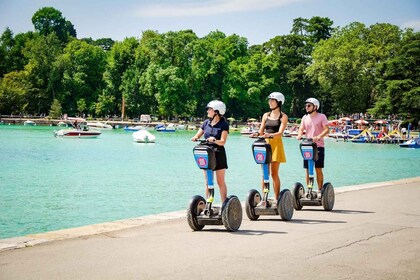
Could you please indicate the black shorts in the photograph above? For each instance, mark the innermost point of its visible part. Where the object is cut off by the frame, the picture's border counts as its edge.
(221, 159)
(319, 163)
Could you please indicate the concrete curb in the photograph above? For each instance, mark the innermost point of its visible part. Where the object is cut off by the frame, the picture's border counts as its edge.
(90, 230)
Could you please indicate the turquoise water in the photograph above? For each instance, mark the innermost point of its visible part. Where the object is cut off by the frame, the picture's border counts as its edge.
(49, 183)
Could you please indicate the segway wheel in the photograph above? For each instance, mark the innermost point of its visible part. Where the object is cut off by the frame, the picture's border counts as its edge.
(251, 202)
(298, 192)
(232, 214)
(196, 206)
(327, 197)
(285, 205)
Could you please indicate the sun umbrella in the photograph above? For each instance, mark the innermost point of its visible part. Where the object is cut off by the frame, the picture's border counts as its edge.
(252, 120)
(231, 119)
(333, 123)
(361, 122)
(381, 122)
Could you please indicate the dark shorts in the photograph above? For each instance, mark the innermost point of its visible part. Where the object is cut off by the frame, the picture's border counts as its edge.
(221, 159)
(319, 163)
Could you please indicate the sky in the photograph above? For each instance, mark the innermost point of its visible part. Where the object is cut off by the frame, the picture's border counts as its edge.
(256, 20)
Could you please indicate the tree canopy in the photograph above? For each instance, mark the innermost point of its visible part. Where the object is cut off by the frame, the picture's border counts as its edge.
(355, 68)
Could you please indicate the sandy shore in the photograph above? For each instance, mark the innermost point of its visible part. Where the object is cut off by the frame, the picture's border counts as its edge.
(372, 233)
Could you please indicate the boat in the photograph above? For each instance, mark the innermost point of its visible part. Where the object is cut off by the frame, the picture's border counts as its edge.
(29, 123)
(134, 128)
(77, 133)
(143, 136)
(248, 130)
(412, 143)
(80, 130)
(99, 125)
(168, 128)
(286, 133)
(64, 124)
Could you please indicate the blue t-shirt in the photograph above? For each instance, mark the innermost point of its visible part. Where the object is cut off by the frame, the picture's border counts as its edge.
(216, 130)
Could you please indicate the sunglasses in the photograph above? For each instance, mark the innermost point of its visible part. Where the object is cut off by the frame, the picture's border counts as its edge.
(308, 105)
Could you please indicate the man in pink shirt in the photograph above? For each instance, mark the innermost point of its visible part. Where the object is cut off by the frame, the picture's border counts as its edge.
(315, 126)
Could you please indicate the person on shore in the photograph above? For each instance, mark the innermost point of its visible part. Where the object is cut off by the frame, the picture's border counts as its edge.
(215, 129)
(315, 126)
(272, 127)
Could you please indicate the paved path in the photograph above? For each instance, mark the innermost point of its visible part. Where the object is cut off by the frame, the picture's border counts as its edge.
(372, 233)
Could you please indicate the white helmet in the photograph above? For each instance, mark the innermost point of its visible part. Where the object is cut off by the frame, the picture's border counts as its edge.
(313, 101)
(277, 96)
(217, 105)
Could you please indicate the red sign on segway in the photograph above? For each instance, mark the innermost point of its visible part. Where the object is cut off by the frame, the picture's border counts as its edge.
(202, 162)
(307, 155)
(260, 157)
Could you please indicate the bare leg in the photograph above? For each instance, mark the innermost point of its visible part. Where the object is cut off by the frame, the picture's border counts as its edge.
(307, 176)
(220, 177)
(207, 186)
(274, 166)
(319, 178)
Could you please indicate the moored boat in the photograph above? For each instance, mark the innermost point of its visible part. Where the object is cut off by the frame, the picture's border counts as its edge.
(412, 143)
(29, 123)
(77, 133)
(144, 136)
(80, 130)
(99, 125)
(168, 128)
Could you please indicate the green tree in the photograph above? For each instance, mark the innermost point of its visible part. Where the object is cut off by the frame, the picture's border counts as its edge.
(41, 53)
(14, 88)
(49, 20)
(347, 65)
(399, 86)
(55, 111)
(81, 68)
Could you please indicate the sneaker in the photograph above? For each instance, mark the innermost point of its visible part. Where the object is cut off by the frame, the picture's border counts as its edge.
(319, 195)
(273, 204)
(262, 203)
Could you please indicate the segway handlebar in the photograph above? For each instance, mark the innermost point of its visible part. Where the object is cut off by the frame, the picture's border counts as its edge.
(260, 137)
(303, 138)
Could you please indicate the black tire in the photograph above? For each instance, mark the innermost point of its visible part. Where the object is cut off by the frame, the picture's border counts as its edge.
(196, 206)
(285, 205)
(251, 201)
(297, 190)
(232, 214)
(327, 196)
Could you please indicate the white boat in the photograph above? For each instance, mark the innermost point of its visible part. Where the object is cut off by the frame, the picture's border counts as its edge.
(162, 128)
(29, 123)
(77, 133)
(80, 130)
(286, 133)
(144, 136)
(248, 130)
(134, 128)
(62, 124)
(99, 125)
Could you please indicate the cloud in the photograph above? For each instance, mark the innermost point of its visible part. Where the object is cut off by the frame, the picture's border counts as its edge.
(208, 7)
(412, 24)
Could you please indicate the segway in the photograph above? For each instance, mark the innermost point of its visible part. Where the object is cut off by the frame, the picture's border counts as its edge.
(202, 212)
(309, 152)
(255, 205)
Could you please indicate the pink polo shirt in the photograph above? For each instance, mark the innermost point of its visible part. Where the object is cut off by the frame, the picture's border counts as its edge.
(314, 125)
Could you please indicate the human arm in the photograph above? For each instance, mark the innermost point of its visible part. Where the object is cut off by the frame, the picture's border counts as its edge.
(262, 127)
(324, 132)
(221, 141)
(301, 129)
(197, 136)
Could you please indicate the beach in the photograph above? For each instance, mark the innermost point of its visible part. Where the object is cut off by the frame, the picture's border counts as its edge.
(373, 232)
